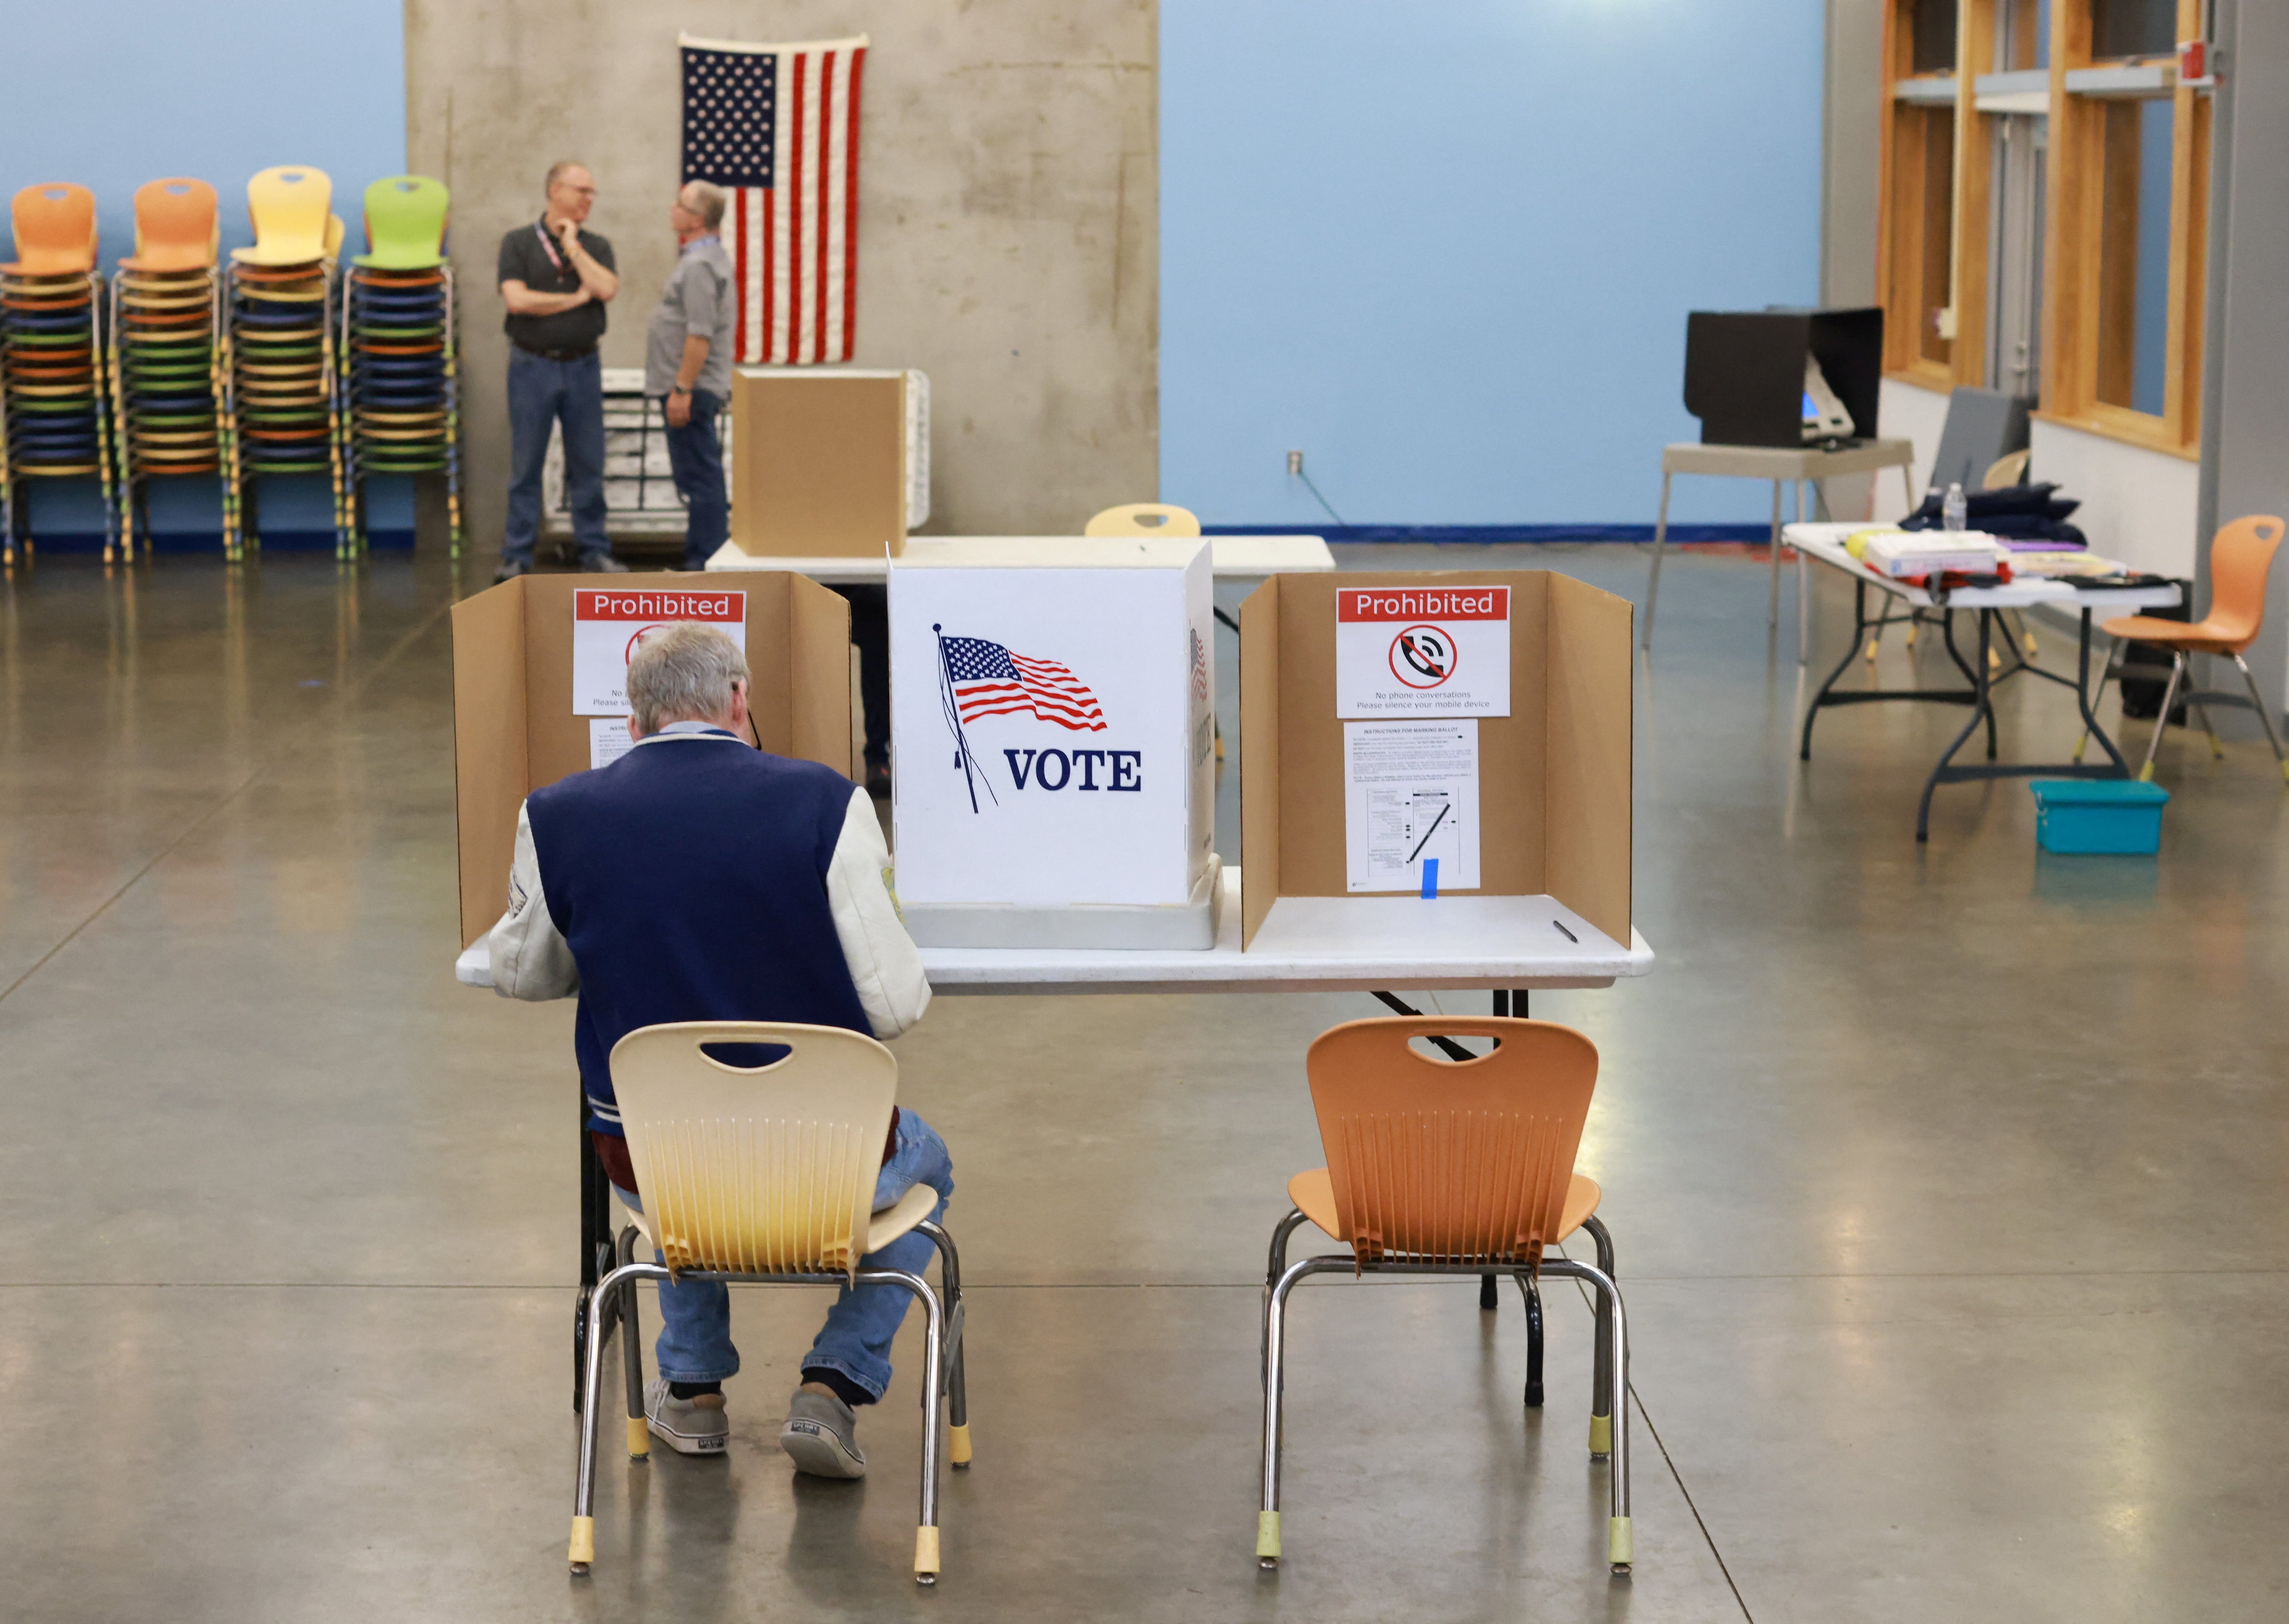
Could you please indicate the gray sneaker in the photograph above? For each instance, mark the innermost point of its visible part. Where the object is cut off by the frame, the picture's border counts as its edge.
(821, 1437)
(687, 1426)
(602, 563)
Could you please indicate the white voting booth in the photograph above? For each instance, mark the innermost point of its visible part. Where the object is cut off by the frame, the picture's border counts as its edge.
(1054, 730)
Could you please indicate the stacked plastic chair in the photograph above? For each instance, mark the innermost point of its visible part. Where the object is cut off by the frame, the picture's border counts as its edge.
(283, 378)
(169, 372)
(55, 394)
(398, 347)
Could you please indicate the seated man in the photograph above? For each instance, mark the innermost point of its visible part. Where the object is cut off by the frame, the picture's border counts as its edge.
(695, 878)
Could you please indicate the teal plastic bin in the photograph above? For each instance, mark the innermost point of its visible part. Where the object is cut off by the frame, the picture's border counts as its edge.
(2099, 814)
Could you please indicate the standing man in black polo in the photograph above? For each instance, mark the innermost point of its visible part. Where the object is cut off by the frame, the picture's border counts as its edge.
(556, 279)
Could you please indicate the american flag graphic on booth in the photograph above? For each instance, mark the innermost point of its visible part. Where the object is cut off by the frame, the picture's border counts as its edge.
(988, 679)
(777, 127)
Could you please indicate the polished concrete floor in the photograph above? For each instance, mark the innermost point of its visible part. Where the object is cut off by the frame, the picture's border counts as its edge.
(1948, 1184)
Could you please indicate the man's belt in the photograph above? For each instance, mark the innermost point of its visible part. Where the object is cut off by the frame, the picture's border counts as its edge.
(534, 349)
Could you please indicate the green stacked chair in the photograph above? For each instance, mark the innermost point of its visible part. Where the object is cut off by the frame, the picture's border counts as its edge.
(398, 347)
(169, 363)
(56, 400)
(285, 383)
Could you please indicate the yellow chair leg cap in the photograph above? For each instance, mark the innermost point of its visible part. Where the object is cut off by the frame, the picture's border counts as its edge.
(925, 1554)
(957, 1444)
(1601, 1434)
(2146, 773)
(639, 1438)
(1621, 1549)
(1267, 1536)
(583, 1550)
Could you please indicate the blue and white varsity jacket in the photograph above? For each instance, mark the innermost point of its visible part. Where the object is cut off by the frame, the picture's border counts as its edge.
(695, 878)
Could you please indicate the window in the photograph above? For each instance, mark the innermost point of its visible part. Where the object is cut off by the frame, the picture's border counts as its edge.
(2134, 253)
(2045, 194)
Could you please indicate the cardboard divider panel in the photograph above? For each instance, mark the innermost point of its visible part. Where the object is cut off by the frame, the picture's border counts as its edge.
(1554, 776)
(818, 463)
(515, 729)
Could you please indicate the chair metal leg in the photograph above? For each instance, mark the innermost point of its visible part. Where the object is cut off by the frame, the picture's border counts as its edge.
(2113, 662)
(583, 1548)
(1619, 1545)
(926, 1546)
(1525, 1288)
(957, 1396)
(632, 1353)
(1602, 1369)
(1274, 1267)
(2264, 716)
(2161, 720)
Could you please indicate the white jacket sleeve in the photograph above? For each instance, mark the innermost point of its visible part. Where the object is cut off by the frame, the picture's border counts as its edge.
(885, 965)
(531, 958)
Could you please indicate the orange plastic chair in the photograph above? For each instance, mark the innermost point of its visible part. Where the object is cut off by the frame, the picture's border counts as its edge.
(290, 208)
(55, 231)
(178, 222)
(2240, 559)
(1144, 519)
(1453, 1166)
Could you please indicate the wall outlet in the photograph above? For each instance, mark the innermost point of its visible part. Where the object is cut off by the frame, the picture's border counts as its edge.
(1295, 463)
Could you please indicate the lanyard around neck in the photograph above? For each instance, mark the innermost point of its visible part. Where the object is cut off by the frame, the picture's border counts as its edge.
(540, 228)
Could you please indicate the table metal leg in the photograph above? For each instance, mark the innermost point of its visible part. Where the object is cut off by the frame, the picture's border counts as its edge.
(1660, 543)
(1908, 488)
(1981, 682)
(2085, 698)
(1773, 608)
(1859, 625)
(1981, 708)
(1802, 583)
(1826, 694)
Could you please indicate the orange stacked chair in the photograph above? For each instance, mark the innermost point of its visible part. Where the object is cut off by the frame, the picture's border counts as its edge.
(170, 361)
(58, 422)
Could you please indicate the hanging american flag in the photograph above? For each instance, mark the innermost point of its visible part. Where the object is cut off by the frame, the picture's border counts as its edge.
(988, 679)
(778, 126)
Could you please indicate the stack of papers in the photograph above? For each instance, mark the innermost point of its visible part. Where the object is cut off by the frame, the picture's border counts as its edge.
(2056, 564)
(1915, 553)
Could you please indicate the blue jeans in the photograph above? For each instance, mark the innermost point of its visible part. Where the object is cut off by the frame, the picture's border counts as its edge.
(541, 393)
(695, 455)
(694, 1332)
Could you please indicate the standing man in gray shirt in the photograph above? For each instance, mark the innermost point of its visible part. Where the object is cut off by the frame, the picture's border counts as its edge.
(688, 365)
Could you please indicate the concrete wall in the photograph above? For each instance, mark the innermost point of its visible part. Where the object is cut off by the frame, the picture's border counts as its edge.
(2247, 426)
(1447, 250)
(1007, 235)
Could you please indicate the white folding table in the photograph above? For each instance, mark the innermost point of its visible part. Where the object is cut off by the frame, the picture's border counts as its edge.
(1823, 544)
(1230, 557)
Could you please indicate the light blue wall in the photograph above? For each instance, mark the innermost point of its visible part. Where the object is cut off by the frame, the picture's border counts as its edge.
(111, 93)
(1447, 248)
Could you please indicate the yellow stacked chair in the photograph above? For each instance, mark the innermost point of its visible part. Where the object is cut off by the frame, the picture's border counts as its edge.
(169, 362)
(56, 399)
(285, 382)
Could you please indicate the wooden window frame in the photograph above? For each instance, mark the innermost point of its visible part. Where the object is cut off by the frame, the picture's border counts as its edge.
(2071, 230)
(2073, 250)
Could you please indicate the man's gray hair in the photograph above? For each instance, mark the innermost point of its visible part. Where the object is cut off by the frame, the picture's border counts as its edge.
(556, 174)
(683, 672)
(705, 199)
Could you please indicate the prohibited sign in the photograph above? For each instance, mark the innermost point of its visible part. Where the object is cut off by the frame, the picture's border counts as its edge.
(1422, 651)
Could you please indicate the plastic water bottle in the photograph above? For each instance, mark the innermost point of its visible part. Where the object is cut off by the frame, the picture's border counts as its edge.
(1954, 510)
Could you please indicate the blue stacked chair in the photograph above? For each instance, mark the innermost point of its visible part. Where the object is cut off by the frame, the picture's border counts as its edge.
(399, 353)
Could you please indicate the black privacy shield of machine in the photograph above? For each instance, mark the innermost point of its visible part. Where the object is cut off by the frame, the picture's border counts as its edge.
(1783, 377)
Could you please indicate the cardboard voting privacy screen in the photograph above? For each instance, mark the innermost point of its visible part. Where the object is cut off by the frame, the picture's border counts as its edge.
(515, 727)
(1549, 781)
(827, 463)
(1055, 749)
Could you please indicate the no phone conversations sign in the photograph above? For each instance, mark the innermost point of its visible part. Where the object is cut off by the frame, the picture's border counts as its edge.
(1422, 651)
(609, 621)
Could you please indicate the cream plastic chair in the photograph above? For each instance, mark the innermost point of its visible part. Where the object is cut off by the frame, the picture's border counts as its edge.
(1144, 519)
(2006, 471)
(765, 1175)
(1455, 1168)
